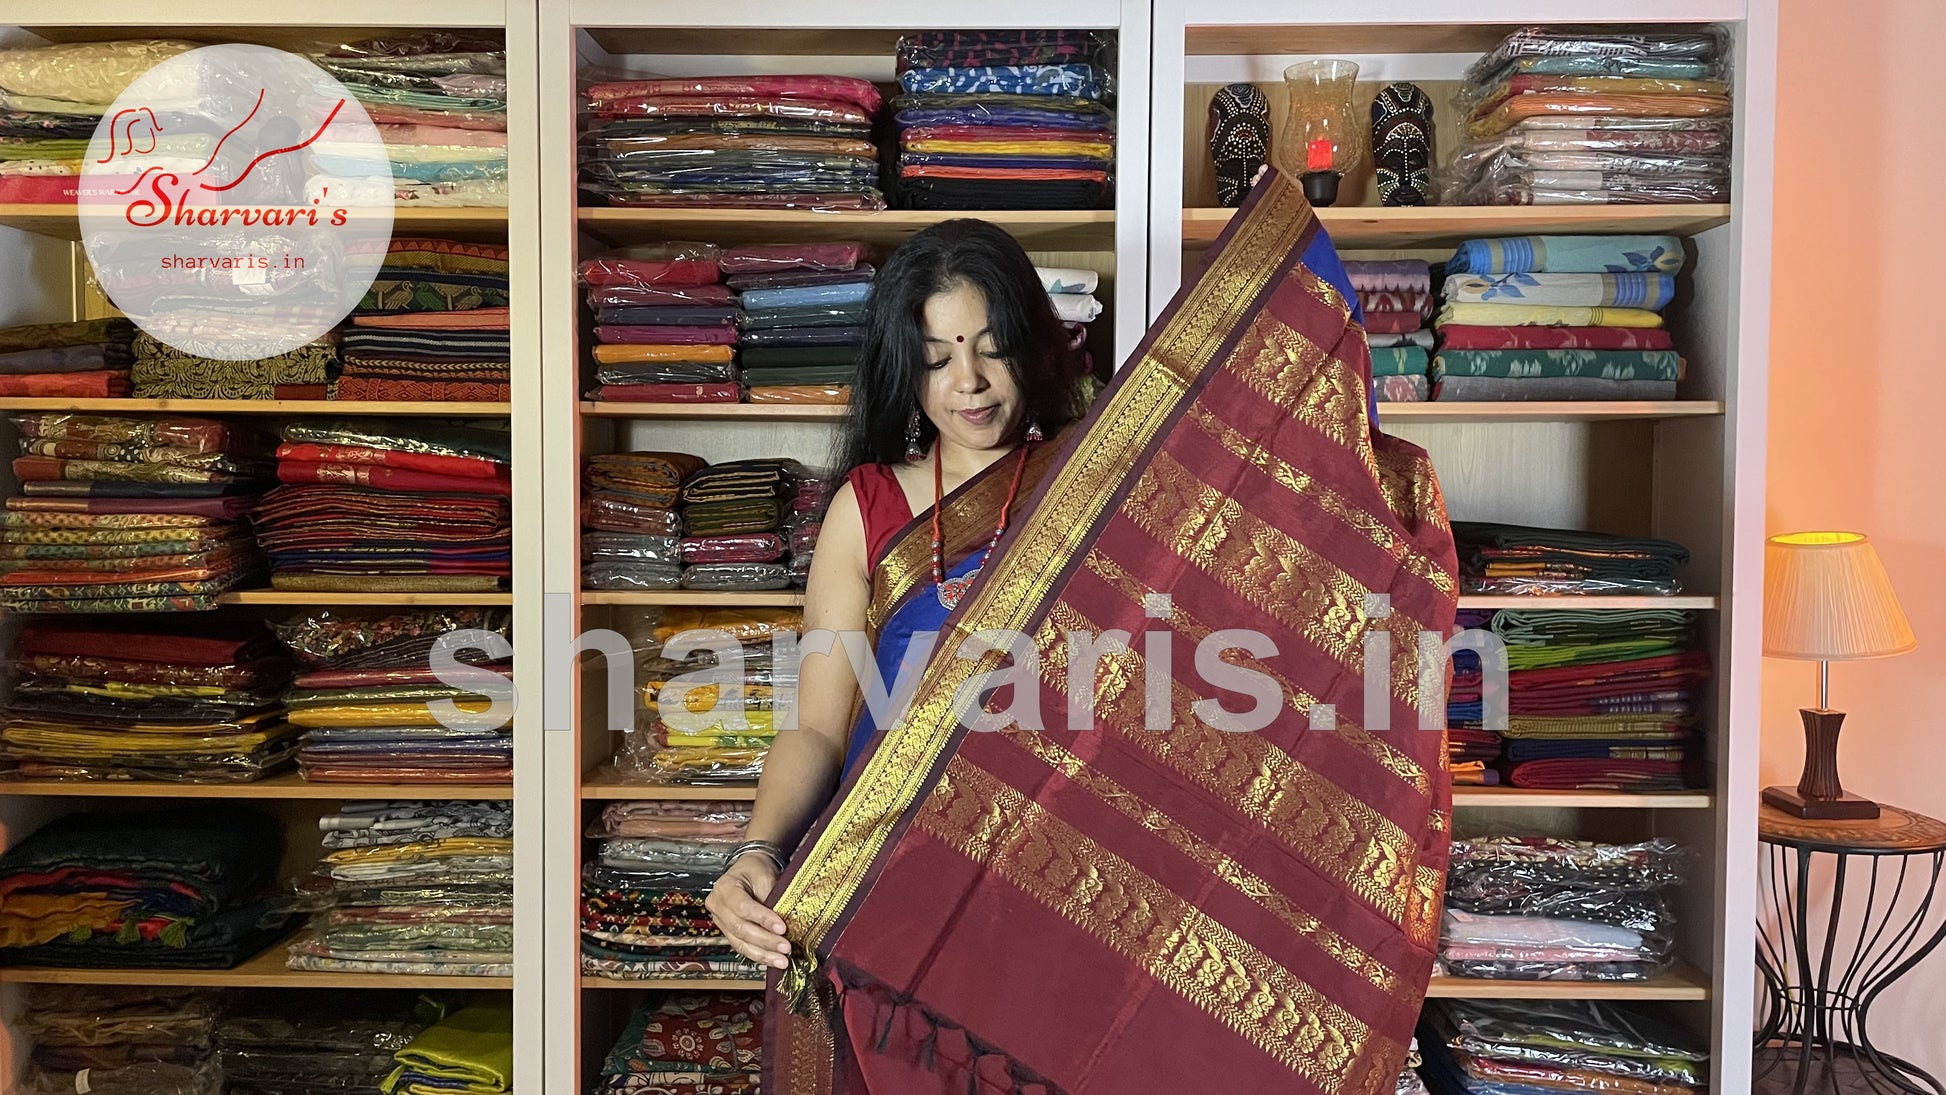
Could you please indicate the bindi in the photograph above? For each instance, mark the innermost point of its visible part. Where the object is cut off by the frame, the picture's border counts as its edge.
(959, 338)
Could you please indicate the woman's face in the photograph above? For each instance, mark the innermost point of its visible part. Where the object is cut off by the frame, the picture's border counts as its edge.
(967, 390)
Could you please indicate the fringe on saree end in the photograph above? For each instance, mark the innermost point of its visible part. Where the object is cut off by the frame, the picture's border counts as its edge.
(797, 985)
(1024, 1080)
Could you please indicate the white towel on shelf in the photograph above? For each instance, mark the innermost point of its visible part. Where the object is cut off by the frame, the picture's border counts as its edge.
(1062, 280)
(1075, 307)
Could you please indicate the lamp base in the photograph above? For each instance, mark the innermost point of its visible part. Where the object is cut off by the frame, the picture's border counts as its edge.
(1846, 807)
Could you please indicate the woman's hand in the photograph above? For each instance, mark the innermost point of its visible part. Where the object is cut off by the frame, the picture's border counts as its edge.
(736, 904)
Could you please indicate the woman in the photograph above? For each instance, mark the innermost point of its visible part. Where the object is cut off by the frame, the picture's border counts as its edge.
(962, 378)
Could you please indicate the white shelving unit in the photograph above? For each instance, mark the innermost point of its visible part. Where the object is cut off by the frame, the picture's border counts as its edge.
(582, 38)
(1691, 470)
(42, 270)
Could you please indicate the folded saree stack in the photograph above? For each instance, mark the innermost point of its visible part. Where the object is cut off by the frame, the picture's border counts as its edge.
(1538, 908)
(121, 1040)
(714, 733)
(415, 887)
(1581, 116)
(1558, 318)
(86, 359)
(665, 326)
(1472, 750)
(1604, 700)
(1397, 298)
(1503, 1047)
(136, 699)
(806, 520)
(705, 1043)
(1005, 119)
(642, 914)
(802, 318)
(733, 525)
(373, 710)
(1521, 560)
(397, 505)
(51, 100)
(162, 371)
(157, 889)
(739, 142)
(127, 514)
(432, 327)
(312, 1043)
(470, 1052)
(633, 534)
(439, 101)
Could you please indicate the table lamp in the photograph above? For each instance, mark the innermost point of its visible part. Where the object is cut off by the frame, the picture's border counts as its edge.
(1827, 599)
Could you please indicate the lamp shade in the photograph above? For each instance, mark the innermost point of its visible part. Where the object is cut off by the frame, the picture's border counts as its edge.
(1827, 598)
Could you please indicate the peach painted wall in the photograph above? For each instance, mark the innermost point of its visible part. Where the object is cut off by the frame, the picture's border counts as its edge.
(1858, 396)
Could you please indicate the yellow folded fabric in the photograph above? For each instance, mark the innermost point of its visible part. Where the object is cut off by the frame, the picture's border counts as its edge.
(35, 742)
(1100, 150)
(30, 919)
(473, 1047)
(1543, 315)
(623, 353)
(430, 849)
(379, 714)
(699, 700)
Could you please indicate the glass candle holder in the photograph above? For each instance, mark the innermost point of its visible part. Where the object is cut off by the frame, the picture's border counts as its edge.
(1324, 139)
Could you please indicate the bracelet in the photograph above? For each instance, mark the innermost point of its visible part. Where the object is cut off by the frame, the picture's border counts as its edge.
(770, 849)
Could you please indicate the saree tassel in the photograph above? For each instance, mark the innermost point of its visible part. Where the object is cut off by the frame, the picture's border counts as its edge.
(891, 1020)
(927, 1054)
(796, 984)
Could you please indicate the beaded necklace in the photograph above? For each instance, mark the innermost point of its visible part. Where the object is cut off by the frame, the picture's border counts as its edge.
(951, 591)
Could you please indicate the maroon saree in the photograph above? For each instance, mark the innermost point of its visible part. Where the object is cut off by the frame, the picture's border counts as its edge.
(1123, 911)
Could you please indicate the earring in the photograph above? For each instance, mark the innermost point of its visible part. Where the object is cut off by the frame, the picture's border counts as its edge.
(1034, 432)
(913, 452)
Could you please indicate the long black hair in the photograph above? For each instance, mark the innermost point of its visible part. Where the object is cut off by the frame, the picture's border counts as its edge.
(1025, 331)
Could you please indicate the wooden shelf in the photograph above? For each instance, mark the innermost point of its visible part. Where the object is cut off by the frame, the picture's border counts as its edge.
(783, 598)
(1590, 411)
(740, 40)
(293, 597)
(256, 406)
(1036, 229)
(287, 786)
(722, 412)
(1698, 604)
(694, 984)
(59, 221)
(1516, 797)
(266, 970)
(606, 783)
(1680, 983)
(1337, 40)
(1376, 227)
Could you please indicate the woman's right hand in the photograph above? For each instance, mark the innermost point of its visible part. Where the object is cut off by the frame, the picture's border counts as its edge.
(736, 904)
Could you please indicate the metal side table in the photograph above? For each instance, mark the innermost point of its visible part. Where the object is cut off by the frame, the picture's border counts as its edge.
(1818, 993)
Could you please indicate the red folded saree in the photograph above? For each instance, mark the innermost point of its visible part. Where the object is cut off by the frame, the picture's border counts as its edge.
(385, 478)
(844, 89)
(469, 467)
(96, 384)
(1462, 336)
(1127, 911)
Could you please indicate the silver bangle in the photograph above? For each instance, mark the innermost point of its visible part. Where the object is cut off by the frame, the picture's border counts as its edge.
(770, 849)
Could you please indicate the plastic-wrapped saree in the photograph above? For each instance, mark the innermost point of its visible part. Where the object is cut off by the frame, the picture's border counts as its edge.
(1124, 910)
